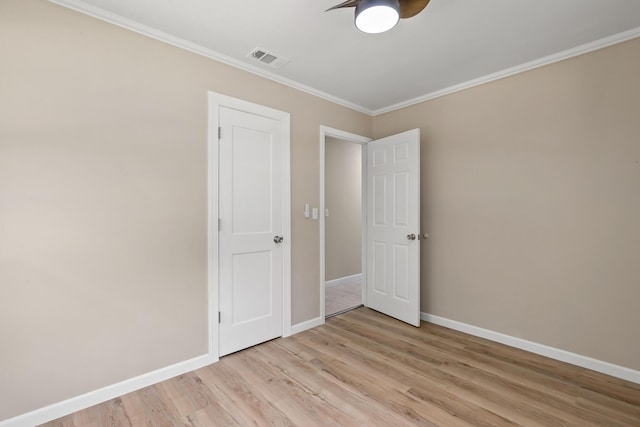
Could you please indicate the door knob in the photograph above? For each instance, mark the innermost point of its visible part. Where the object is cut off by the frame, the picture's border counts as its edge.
(411, 236)
(277, 239)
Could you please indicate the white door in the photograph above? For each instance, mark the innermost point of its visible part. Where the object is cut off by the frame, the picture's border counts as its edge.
(250, 229)
(393, 226)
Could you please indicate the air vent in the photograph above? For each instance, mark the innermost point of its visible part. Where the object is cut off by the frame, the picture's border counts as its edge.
(267, 58)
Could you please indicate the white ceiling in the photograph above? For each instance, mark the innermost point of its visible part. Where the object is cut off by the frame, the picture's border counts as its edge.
(450, 43)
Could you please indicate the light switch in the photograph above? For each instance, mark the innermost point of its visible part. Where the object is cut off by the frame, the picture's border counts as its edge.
(314, 213)
(306, 210)
(326, 212)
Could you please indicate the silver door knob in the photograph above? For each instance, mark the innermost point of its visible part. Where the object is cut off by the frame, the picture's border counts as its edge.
(411, 236)
(277, 239)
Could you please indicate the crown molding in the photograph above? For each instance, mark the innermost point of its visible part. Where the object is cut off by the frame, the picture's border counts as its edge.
(112, 18)
(541, 62)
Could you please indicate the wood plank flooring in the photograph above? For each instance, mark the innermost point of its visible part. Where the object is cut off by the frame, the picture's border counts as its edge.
(365, 369)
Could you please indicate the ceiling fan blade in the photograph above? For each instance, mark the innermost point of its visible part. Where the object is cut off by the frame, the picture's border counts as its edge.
(409, 8)
(348, 3)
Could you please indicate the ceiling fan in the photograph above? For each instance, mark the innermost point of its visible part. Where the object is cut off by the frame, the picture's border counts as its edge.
(378, 16)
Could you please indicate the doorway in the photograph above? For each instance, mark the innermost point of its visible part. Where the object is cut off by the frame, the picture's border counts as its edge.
(390, 222)
(343, 226)
(342, 221)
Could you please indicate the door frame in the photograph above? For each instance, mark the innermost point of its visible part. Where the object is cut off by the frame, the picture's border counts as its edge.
(215, 101)
(325, 132)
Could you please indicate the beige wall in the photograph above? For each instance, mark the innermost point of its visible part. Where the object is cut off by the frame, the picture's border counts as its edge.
(531, 195)
(343, 195)
(103, 203)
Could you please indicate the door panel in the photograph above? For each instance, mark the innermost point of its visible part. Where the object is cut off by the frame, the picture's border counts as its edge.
(380, 200)
(250, 213)
(393, 209)
(401, 205)
(252, 287)
(401, 280)
(252, 198)
(380, 268)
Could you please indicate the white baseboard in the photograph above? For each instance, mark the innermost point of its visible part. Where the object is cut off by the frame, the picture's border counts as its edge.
(341, 280)
(66, 407)
(303, 326)
(541, 349)
(57, 410)
(78, 403)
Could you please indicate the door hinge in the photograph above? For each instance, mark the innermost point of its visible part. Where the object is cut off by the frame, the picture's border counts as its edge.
(219, 224)
(219, 317)
(219, 132)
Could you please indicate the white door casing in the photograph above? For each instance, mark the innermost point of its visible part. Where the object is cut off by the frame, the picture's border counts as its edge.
(250, 277)
(393, 226)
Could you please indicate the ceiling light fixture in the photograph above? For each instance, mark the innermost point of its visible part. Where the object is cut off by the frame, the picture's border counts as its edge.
(377, 16)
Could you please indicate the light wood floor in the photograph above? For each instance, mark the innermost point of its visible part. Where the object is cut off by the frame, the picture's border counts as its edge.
(365, 369)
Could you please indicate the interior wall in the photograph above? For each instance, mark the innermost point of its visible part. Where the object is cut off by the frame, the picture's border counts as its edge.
(343, 198)
(103, 200)
(531, 196)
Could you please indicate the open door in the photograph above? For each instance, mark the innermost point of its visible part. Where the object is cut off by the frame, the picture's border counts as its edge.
(393, 226)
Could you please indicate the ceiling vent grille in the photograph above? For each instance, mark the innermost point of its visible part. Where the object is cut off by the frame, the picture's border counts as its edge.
(267, 58)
